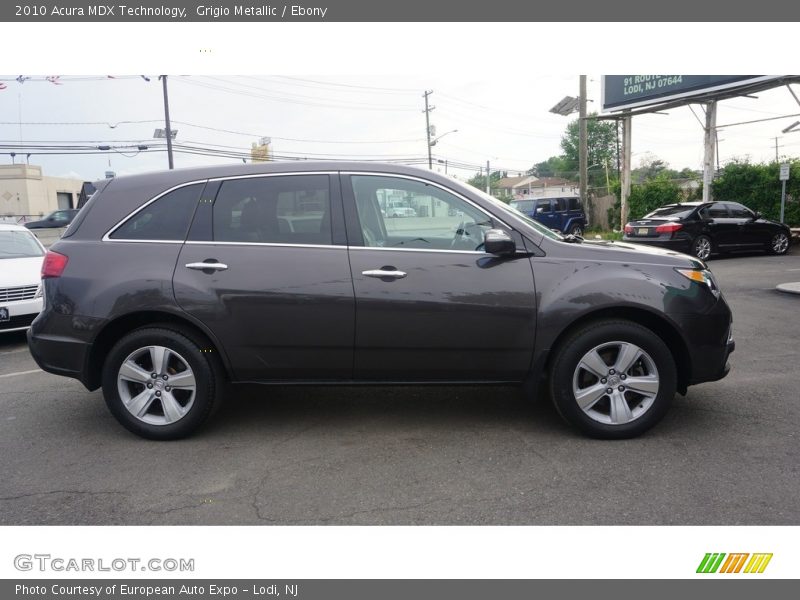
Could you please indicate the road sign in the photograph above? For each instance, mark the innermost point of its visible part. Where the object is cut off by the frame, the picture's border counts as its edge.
(784, 172)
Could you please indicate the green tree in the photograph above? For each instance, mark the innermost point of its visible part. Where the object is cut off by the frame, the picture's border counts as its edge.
(758, 187)
(601, 145)
(651, 194)
(479, 180)
(555, 166)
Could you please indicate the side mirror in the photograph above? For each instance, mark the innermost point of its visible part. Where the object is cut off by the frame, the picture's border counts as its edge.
(756, 216)
(497, 241)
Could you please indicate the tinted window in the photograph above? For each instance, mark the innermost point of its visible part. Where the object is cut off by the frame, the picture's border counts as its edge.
(278, 210)
(737, 211)
(673, 210)
(431, 218)
(716, 211)
(559, 204)
(574, 204)
(165, 219)
(543, 206)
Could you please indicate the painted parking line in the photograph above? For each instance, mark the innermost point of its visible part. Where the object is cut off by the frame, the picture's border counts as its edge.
(21, 373)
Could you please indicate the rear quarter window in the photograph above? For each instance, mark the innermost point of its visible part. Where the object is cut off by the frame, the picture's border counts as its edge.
(165, 219)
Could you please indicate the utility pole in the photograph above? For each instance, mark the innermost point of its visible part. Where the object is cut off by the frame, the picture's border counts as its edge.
(167, 127)
(625, 181)
(776, 148)
(582, 143)
(427, 112)
(708, 158)
(488, 179)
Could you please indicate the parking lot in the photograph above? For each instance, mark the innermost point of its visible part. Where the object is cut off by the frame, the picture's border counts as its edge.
(727, 453)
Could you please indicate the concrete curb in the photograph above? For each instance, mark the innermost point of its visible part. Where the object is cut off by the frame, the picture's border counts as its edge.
(789, 288)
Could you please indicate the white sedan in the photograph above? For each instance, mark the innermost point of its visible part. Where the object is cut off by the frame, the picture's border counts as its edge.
(21, 255)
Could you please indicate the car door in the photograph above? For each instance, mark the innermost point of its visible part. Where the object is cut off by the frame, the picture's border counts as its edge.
(430, 304)
(751, 232)
(277, 290)
(719, 225)
(544, 213)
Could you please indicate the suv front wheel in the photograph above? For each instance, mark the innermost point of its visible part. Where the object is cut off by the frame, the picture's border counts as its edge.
(160, 383)
(613, 379)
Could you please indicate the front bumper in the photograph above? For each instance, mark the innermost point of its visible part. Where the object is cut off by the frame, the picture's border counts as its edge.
(22, 314)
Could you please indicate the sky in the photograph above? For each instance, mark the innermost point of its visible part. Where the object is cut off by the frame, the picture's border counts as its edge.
(504, 120)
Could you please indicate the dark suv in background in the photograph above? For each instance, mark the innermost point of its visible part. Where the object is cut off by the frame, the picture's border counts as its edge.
(169, 285)
(564, 213)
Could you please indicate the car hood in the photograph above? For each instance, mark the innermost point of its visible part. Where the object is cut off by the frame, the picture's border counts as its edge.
(625, 251)
(16, 272)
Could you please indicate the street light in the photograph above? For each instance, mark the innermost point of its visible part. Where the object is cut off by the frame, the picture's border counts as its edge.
(433, 141)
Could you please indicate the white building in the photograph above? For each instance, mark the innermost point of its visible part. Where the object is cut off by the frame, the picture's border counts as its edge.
(25, 191)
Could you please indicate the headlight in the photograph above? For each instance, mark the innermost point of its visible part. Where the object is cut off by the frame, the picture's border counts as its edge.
(704, 277)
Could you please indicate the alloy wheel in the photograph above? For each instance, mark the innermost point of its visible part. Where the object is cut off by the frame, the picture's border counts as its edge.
(615, 383)
(156, 385)
(780, 243)
(702, 248)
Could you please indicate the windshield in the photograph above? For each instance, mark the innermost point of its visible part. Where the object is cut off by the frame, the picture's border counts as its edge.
(675, 210)
(19, 244)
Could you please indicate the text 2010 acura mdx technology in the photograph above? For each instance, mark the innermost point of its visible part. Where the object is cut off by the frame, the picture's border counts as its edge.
(169, 285)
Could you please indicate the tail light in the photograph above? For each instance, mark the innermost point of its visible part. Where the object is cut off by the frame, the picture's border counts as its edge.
(54, 264)
(628, 228)
(669, 228)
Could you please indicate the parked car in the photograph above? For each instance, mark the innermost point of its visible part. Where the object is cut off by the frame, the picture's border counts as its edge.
(169, 285)
(399, 209)
(705, 228)
(21, 256)
(58, 218)
(564, 214)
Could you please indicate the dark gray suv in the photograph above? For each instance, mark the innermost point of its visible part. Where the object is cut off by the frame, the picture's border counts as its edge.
(171, 285)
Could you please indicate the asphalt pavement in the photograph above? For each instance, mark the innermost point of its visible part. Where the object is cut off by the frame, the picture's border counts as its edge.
(726, 454)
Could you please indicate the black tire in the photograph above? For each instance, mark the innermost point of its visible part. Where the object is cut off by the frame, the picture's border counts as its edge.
(777, 248)
(208, 376)
(702, 247)
(564, 369)
(576, 230)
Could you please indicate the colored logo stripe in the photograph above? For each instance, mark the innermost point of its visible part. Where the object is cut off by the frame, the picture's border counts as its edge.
(758, 563)
(710, 562)
(733, 564)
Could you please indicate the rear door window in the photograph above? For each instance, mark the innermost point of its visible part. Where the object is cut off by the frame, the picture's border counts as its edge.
(288, 209)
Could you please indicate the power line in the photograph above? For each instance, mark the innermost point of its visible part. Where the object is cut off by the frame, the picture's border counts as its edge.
(345, 85)
(272, 98)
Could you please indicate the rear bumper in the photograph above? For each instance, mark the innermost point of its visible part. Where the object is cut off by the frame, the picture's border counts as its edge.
(59, 355)
(676, 245)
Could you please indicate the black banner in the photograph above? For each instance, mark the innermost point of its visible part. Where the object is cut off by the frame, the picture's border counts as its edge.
(397, 589)
(512, 11)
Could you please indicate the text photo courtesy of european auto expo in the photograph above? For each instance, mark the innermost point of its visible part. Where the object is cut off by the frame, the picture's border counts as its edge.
(399, 300)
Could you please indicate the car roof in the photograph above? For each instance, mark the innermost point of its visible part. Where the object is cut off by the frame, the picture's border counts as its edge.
(12, 227)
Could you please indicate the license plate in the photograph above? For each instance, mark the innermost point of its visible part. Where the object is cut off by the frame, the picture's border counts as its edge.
(643, 231)
(4, 314)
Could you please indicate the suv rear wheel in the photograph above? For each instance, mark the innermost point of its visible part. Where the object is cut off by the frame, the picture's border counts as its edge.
(613, 379)
(161, 383)
(576, 230)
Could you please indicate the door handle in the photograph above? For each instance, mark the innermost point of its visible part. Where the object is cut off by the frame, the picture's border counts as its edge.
(202, 266)
(385, 273)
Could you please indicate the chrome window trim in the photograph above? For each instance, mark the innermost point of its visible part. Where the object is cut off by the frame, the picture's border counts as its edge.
(428, 250)
(268, 244)
(121, 222)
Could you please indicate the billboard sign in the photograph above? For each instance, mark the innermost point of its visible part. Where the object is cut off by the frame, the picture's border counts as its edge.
(631, 91)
